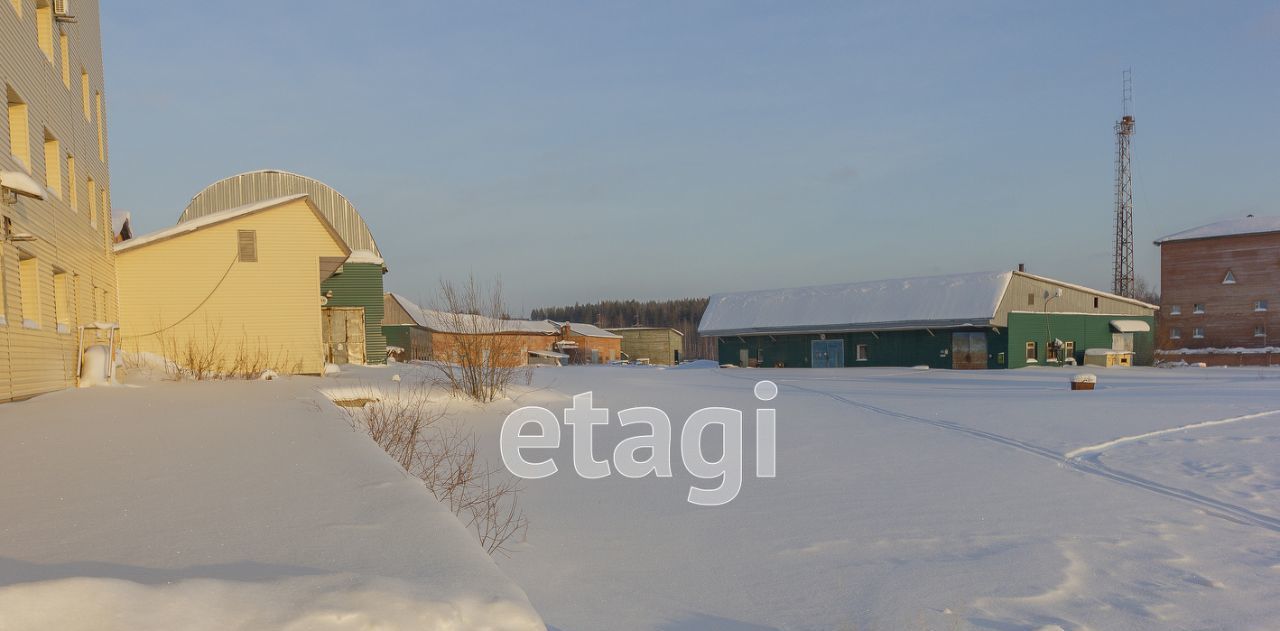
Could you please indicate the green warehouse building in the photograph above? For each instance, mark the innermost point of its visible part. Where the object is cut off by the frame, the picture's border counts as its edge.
(351, 288)
(963, 321)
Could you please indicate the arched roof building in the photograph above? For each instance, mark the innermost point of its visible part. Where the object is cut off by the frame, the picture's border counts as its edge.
(256, 186)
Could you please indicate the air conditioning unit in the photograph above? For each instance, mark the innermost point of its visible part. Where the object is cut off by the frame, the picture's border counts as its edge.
(62, 11)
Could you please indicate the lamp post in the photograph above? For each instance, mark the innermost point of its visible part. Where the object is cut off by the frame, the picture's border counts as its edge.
(1048, 330)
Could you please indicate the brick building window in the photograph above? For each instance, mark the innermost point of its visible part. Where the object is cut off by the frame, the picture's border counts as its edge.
(1198, 333)
(1175, 310)
(1229, 279)
(1175, 333)
(1260, 305)
(1259, 331)
(1198, 308)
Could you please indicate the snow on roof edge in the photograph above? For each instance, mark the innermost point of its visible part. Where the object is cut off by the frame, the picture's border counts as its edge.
(1237, 226)
(205, 221)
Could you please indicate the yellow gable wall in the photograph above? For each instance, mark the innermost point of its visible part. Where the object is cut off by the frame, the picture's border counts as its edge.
(267, 310)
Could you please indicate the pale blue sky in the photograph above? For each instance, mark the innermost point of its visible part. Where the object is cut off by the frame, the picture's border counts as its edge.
(610, 150)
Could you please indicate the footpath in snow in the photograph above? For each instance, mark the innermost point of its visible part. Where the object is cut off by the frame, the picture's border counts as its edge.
(230, 505)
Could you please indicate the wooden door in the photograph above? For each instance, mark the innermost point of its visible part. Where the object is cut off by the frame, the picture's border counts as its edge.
(343, 331)
(968, 351)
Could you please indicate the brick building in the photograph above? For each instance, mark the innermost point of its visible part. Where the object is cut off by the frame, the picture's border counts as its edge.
(587, 343)
(1218, 284)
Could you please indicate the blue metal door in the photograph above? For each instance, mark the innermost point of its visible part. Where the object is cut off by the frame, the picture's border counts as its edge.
(826, 353)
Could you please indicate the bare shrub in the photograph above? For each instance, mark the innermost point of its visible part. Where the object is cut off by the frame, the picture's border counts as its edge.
(483, 356)
(202, 357)
(444, 455)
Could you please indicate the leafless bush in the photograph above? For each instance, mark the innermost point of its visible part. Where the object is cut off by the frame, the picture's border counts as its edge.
(202, 357)
(444, 455)
(483, 355)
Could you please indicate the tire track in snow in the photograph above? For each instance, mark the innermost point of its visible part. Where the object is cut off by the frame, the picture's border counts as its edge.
(1100, 447)
(1090, 464)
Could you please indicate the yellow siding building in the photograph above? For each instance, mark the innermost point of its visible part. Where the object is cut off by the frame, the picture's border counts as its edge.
(56, 266)
(232, 289)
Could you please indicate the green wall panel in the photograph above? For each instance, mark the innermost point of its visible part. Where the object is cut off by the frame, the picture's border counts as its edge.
(360, 285)
(1086, 330)
(892, 348)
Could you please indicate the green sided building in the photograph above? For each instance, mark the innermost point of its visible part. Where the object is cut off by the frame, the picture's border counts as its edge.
(962, 321)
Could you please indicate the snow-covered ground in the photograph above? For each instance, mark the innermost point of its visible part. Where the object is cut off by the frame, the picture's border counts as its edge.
(904, 499)
(230, 505)
(922, 500)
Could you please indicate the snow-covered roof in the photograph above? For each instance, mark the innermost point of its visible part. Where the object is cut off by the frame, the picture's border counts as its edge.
(118, 219)
(1130, 326)
(205, 221)
(1226, 228)
(444, 322)
(645, 328)
(586, 330)
(548, 354)
(22, 184)
(365, 256)
(931, 301)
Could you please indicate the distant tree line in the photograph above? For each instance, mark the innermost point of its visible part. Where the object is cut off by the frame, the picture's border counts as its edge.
(681, 314)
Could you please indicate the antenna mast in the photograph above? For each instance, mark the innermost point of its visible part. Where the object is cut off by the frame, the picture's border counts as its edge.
(1122, 285)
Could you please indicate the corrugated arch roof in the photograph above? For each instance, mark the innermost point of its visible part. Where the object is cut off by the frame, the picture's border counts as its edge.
(256, 186)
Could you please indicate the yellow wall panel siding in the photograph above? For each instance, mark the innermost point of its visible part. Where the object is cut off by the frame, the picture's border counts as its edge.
(33, 361)
(1026, 292)
(191, 289)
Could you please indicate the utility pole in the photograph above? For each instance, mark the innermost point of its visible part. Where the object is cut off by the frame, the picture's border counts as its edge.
(1123, 280)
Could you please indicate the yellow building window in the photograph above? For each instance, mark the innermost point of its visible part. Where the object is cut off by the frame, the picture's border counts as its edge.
(61, 301)
(29, 290)
(19, 135)
(44, 28)
(64, 48)
(52, 164)
(84, 91)
(102, 144)
(73, 299)
(93, 203)
(72, 187)
(106, 217)
(102, 312)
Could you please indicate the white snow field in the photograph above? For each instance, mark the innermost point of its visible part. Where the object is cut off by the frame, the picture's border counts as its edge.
(229, 505)
(921, 500)
(904, 499)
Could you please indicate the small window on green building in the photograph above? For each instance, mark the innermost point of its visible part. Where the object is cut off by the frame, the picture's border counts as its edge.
(862, 352)
(1031, 352)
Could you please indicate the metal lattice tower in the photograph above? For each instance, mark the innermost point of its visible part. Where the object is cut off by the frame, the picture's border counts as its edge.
(1122, 284)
